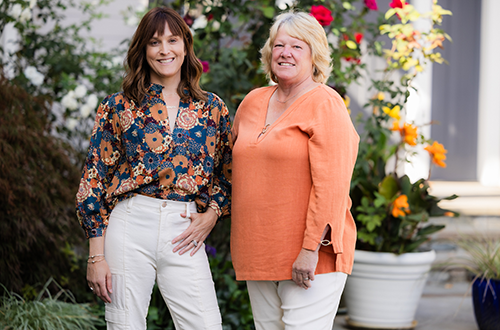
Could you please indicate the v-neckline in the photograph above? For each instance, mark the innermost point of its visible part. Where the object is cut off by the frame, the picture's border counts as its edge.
(259, 136)
(172, 125)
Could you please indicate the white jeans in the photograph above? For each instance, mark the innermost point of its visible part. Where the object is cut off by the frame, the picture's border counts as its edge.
(278, 305)
(138, 249)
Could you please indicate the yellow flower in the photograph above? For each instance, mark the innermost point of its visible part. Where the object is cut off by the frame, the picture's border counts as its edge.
(393, 113)
(400, 206)
(437, 152)
(347, 102)
(380, 96)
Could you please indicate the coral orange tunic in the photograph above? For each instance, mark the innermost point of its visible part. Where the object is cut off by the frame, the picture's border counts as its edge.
(290, 183)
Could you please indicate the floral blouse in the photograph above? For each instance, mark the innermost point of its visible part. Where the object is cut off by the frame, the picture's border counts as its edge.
(133, 152)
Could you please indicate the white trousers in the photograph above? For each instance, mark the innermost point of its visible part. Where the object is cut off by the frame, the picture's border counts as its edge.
(282, 305)
(138, 249)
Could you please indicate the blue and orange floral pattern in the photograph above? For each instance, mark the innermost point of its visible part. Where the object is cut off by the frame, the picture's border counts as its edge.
(133, 152)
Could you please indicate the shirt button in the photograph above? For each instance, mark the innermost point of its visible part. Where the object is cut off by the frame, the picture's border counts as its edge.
(164, 204)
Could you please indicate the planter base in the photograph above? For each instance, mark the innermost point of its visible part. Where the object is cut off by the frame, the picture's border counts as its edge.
(360, 326)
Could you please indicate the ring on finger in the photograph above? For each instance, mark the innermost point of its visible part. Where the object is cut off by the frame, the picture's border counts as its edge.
(194, 243)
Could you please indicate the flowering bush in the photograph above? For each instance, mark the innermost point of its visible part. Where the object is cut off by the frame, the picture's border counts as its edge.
(390, 210)
(58, 63)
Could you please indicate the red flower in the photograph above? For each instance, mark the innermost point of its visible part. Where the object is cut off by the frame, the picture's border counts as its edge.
(358, 36)
(322, 14)
(188, 19)
(206, 66)
(352, 59)
(371, 4)
(210, 17)
(396, 4)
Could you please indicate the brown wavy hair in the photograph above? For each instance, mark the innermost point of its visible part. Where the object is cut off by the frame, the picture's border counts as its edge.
(137, 76)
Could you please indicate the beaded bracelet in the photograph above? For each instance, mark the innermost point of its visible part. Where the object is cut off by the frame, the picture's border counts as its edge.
(94, 261)
(97, 255)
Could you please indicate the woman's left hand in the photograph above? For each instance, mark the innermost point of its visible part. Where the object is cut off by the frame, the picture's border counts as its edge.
(304, 268)
(201, 225)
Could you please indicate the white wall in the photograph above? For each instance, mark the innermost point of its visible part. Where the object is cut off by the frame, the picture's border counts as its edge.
(488, 149)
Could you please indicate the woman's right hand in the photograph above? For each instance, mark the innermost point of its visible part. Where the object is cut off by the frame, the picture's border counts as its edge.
(98, 273)
(99, 280)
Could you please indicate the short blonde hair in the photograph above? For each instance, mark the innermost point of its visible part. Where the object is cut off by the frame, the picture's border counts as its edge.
(304, 27)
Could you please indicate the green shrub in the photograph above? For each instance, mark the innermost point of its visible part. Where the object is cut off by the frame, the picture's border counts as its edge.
(38, 183)
(47, 313)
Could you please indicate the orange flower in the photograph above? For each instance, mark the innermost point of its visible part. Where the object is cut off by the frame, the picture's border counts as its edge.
(395, 126)
(437, 152)
(409, 134)
(400, 206)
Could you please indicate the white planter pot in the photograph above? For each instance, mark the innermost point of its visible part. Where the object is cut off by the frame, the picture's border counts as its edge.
(384, 289)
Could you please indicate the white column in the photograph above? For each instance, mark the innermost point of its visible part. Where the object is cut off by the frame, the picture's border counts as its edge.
(419, 104)
(488, 148)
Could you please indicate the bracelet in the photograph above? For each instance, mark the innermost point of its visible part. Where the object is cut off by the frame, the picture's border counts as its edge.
(94, 261)
(97, 255)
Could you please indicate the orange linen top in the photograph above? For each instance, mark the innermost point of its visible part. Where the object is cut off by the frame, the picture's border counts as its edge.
(290, 183)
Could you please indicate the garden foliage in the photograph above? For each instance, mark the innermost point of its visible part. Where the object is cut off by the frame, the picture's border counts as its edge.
(55, 79)
(38, 182)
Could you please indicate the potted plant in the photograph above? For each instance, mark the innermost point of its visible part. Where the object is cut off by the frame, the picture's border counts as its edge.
(392, 212)
(483, 261)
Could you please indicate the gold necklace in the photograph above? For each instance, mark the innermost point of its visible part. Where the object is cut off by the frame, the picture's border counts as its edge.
(170, 106)
(291, 97)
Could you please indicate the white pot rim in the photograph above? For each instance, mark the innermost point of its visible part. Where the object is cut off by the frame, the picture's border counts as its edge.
(409, 258)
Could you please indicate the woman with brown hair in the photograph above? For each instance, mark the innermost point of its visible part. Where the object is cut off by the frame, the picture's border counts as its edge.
(156, 179)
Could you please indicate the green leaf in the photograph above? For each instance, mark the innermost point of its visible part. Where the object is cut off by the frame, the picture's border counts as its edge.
(351, 44)
(389, 187)
(428, 230)
(268, 12)
(390, 13)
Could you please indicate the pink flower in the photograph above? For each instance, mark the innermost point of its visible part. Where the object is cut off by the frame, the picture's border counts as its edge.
(322, 14)
(371, 4)
(358, 36)
(206, 66)
(396, 4)
(188, 19)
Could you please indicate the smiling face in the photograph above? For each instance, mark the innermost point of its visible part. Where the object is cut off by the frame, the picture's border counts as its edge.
(291, 59)
(165, 55)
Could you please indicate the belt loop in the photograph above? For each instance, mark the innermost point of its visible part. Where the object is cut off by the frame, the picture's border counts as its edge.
(188, 211)
(130, 203)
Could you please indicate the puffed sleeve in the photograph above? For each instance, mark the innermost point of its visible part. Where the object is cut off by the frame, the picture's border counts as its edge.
(221, 189)
(101, 162)
(333, 146)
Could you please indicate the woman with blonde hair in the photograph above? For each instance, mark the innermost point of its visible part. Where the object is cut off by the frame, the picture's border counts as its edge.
(293, 236)
(156, 179)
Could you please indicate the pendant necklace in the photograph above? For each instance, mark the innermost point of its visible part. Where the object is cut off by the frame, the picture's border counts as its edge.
(170, 106)
(264, 130)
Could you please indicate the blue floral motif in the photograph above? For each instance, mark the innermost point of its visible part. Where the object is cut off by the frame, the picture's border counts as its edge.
(151, 161)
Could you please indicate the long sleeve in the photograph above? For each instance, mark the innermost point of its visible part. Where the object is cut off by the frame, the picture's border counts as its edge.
(333, 146)
(221, 190)
(102, 160)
